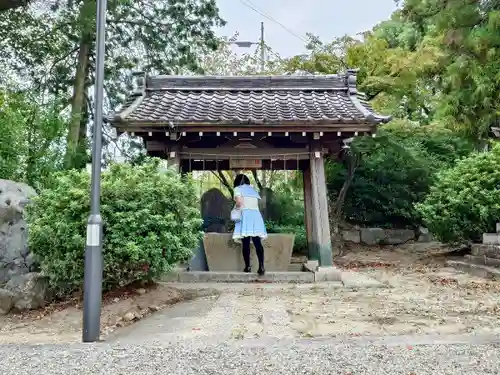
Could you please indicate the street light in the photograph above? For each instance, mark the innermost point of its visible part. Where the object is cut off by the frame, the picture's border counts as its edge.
(92, 284)
(261, 43)
(244, 44)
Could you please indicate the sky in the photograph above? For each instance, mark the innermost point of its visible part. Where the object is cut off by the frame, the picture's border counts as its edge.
(325, 18)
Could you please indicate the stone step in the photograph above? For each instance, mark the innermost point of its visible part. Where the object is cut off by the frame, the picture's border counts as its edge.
(295, 267)
(491, 238)
(492, 262)
(478, 270)
(240, 277)
(490, 251)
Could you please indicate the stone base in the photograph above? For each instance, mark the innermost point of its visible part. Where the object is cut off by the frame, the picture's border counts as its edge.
(348, 279)
(478, 270)
(224, 255)
(489, 251)
(491, 238)
(485, 261)
(241, 277)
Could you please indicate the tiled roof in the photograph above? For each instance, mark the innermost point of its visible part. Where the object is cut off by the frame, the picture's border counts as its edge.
(247, 100)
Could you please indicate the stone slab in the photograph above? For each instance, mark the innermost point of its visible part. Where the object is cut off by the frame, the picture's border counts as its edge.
(351, 236)
(492, 262)
(491, 238)
(498, 227)
(352, 279)
(223, 254)
(241, 277)
(478, 270)
(372, 236)
(398, 236)
(490, 251)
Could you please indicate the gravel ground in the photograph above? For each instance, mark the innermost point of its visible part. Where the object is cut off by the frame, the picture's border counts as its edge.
(302, 357)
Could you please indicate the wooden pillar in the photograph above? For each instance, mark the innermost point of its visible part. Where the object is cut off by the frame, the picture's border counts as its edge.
(174, 158)
(308, 213)
(322, 242)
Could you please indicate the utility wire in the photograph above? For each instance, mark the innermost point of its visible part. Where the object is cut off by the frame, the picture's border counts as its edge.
(252, 6)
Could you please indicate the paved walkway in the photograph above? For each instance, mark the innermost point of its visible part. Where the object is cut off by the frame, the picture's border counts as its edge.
(240, 311)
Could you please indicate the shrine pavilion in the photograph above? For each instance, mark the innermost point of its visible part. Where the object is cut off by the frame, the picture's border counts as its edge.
(255, 122)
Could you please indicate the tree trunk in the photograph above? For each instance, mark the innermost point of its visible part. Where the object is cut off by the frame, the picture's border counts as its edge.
(352, 164)
(77, 103)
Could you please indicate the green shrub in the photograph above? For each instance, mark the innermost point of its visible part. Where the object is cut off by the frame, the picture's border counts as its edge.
(287, 214)
(300, 245)
(396, 171)
(464, 202)
(151, 221)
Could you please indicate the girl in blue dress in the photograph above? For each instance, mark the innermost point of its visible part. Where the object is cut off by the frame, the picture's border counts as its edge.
(251, 224)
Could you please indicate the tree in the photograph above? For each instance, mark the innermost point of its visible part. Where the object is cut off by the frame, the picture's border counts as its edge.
(55, 45)
(31, 139)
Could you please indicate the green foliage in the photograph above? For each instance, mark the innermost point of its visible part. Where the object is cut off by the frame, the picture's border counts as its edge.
(464, 202)
(30, 139)
(395, 172)
(287, 215)
(151, 221)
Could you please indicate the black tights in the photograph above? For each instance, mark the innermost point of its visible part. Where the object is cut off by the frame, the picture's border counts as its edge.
(259, 249)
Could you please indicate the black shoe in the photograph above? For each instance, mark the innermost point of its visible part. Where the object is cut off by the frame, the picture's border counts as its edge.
(247, 270)
(261, 271)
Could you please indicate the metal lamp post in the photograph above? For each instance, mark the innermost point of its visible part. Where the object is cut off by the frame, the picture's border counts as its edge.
(261, 43)
(93, 251)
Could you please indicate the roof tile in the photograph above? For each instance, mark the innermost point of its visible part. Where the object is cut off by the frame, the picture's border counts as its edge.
(247, 100)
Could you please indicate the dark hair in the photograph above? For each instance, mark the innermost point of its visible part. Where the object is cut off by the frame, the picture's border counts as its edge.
(241, 179)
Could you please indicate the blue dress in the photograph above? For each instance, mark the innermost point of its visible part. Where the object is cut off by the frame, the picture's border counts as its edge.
(251, 223)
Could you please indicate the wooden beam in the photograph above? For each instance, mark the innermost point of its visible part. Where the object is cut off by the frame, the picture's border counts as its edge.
(223, 153)
(223, 165)
(322, 244)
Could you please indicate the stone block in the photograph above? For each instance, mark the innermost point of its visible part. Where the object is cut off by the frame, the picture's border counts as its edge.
(491, 238)
(498, 227)
(398, 236)
(295, 267)
(223, 254)
(311, 266)
(352, 279)
(423, 235)
(490, 251)
(351, 236)
(492, 262)
(324, 274)
(372, 236)
(478, 270)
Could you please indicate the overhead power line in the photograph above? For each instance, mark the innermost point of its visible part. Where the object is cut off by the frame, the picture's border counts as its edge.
(252, 6)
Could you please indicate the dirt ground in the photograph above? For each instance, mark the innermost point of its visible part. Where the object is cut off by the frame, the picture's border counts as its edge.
(62, 322)
(423, 297)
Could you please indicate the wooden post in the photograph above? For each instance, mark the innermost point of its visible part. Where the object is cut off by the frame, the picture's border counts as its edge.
(322, 242)
(174, 158)
(308, 213)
